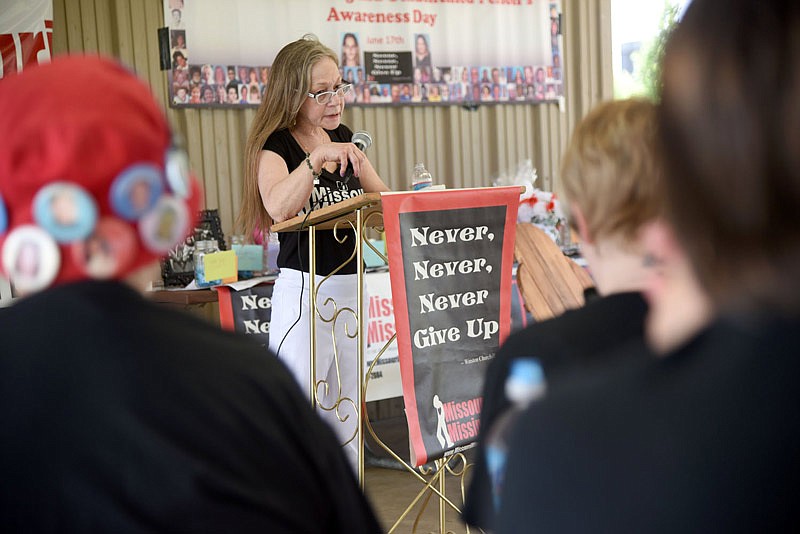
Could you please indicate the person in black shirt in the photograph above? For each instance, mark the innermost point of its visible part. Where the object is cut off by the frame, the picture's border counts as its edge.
(118, 414)
(610, 179)
(299, 158)
(704, 437)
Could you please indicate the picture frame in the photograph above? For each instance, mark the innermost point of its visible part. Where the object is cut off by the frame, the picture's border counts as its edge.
(177, 269)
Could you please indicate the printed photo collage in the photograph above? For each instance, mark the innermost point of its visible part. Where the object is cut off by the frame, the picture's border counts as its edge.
(422, 82)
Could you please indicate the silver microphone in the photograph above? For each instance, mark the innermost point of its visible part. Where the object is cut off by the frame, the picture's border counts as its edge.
(362, 140)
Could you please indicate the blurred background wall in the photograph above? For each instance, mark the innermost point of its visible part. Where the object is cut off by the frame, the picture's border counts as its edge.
(461, 147)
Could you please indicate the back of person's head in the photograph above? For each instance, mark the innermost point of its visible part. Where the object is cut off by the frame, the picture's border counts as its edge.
(288, 88)
(89, 145)
(730, 128)
(610, 170)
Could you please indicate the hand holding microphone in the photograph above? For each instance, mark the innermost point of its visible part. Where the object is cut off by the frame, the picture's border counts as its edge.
(345, 155)
(363, 141)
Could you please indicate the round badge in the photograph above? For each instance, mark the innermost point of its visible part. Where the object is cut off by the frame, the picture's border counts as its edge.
(67, 211)
(176, 168)
(165, 226)
(30, 258)
(3, 216)
(135, 191)
(108, 251)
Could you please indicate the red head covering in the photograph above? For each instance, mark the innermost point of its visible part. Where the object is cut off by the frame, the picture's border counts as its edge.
(85, 122)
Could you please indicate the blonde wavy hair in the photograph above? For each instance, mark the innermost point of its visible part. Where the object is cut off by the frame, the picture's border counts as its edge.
(288, 87)
(610, 168)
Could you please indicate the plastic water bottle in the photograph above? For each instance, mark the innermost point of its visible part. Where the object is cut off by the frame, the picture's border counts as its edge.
(525, 383)
(420, 178)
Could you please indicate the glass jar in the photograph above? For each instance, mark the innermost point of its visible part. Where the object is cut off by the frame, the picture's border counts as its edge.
(201, 248)
(237, 242)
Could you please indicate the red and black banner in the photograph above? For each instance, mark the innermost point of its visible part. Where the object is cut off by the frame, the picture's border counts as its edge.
(247, 311)
(450, 262)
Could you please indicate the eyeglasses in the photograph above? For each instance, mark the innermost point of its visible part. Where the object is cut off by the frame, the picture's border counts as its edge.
(324, 97)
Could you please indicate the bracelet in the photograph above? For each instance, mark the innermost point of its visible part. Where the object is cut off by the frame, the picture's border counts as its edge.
(315, 174)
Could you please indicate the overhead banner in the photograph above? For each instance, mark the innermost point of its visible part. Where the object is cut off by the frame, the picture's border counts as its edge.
(393, 52)
(26, 34)
(450, 262)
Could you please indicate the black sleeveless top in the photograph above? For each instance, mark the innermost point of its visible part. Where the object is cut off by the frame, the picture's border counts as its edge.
(331, 189)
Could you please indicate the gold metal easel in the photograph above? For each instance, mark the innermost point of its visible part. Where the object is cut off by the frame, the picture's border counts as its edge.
(358, 214)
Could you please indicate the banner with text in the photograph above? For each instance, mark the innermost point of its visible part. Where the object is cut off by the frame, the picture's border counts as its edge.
(450, 262)
(26, 34)
(249, 311)
(401, 52)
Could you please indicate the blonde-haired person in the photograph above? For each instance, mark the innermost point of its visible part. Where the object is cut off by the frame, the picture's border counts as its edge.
(296, 160)
(610, 180)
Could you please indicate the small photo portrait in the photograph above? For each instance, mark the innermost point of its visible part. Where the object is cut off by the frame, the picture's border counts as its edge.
(253, 94)
(180, 78)
(556, 60)
(252, 76)
(208, 96)
(230, 72)
(195, 96)
(232, 91)
(539, 94)
(395, 92)
(243, 92)
(422, 52)
(107, 251)
(351, 52)
(178, 39)
(220, 94)
(486, 92)
(516, 75)
(486, 75)
(194, 75)
(541, 75)
(476, 92)
(179, 61)
(446, 75)
(67, 211)
(474, 76)
(136, 190)
(242, 73)
(529, 76)
(416, 93)
(498, 75)
(219, 75)
(363, 92)
(349, 75)
(444, 91)
(31, 259)
(175, 21)
(165, 226)
(181, 95)
(550, 92)
(434, 92)
(405, 92)
(263, 76)
(3, 216)
(436, 75)
(207, 74)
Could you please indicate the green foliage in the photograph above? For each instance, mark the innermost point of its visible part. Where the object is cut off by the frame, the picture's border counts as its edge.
(646, 78)
(649, 73)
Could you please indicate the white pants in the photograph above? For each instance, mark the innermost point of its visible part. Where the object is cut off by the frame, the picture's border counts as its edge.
(335, 336)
